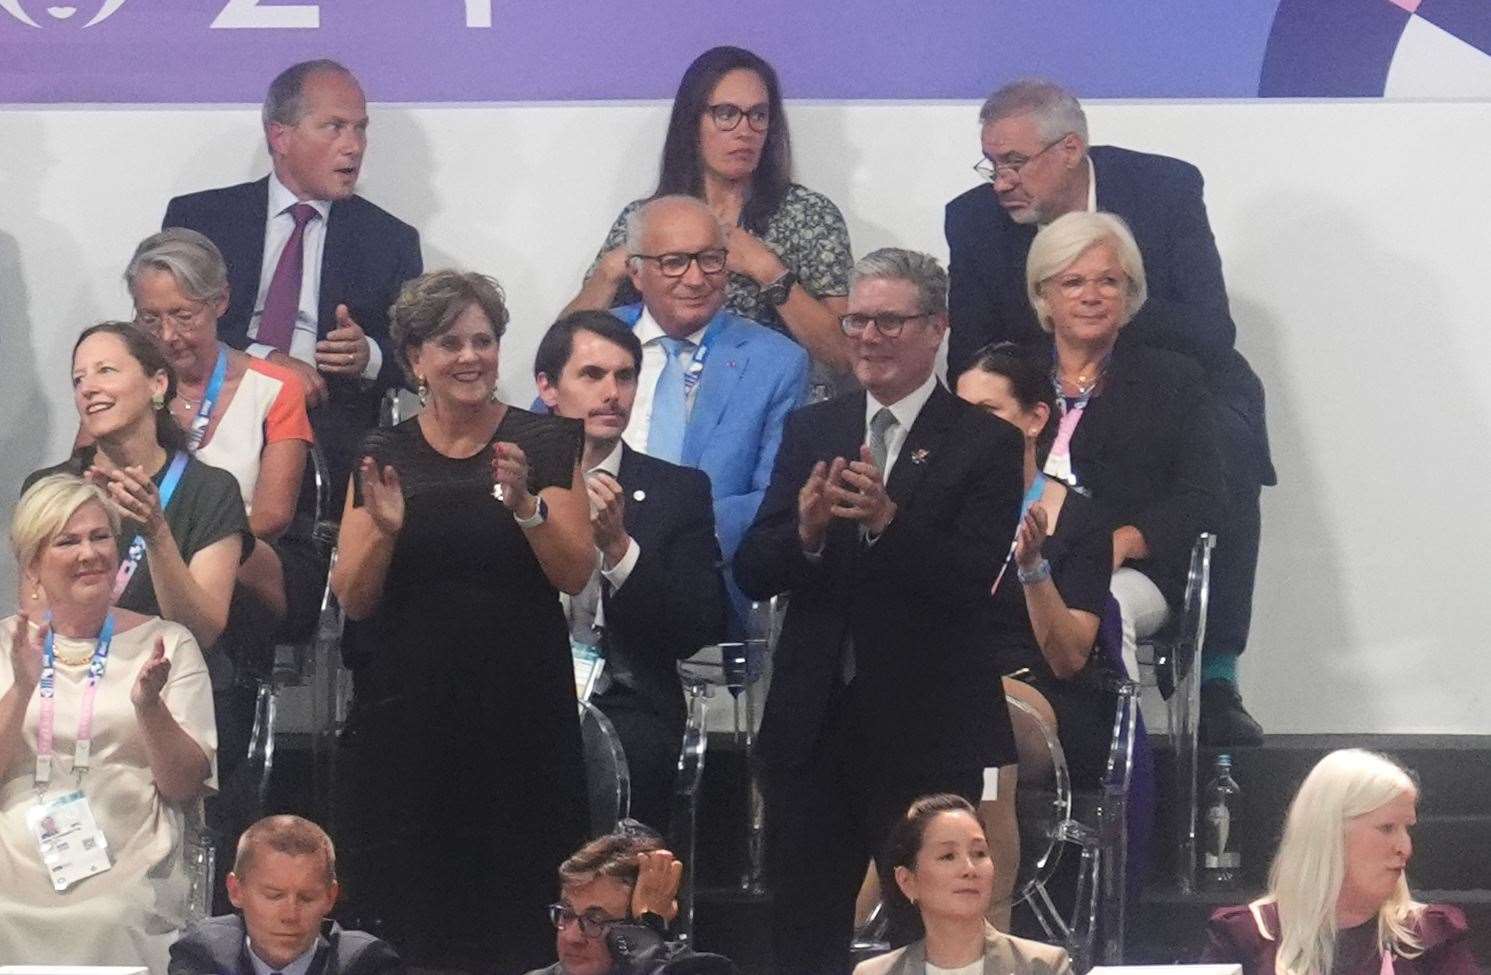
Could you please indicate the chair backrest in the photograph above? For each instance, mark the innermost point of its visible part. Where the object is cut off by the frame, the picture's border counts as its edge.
(606, 771)
(1043, 800)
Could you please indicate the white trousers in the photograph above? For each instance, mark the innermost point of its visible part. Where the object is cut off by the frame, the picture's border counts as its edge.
(1142, 609)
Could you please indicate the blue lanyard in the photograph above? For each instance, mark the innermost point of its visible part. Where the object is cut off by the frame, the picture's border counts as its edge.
(695, 368)
(209, 399)
(48, 687)
(131, 561)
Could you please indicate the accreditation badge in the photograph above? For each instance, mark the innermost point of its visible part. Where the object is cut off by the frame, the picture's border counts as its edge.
(590, 663)
(72, 846)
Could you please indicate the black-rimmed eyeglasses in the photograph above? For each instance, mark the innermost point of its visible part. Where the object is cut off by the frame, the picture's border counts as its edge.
(727, 116)
(675, 264)
(992, 169)
(886, 323)
(591, 925)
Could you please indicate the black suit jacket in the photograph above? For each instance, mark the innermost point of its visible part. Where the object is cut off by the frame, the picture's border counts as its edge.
(1161, 200)
(1146, 450)
(673, 601)
(927, 693)
(216, 946)
(368, 256)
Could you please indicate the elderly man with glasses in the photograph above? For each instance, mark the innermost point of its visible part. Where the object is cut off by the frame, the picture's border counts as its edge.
(714, 389)
(1037, 157)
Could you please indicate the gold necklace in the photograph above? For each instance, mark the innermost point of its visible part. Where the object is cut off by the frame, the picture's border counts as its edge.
(69, 661)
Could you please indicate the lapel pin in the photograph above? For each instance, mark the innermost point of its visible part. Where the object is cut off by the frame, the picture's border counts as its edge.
(639, 495)
(920, 455)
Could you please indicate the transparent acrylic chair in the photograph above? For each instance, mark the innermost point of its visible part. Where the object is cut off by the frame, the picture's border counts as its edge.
(606, 774)
(1170, 663)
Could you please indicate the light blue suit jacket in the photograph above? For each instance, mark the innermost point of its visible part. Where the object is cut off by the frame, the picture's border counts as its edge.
(752, 379)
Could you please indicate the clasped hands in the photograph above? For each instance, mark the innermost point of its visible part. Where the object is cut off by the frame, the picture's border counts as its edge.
(850, 489)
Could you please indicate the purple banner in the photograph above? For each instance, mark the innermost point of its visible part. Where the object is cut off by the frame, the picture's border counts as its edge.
(196, 51)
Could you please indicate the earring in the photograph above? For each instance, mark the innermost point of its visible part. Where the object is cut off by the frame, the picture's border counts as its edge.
(493, 396)
(159, 402)
(422, 390)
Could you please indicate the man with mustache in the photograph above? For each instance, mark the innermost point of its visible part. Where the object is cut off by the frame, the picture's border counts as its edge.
(657, 595)
(312, 267)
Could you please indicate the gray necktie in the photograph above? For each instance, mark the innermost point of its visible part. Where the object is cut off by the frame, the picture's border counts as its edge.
(880, 425)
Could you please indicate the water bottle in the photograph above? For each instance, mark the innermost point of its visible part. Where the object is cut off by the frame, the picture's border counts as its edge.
(1221, 863)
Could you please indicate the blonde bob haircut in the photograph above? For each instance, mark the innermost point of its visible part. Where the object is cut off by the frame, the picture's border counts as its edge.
(44, 510)
(1310, 868)
(1058, 245)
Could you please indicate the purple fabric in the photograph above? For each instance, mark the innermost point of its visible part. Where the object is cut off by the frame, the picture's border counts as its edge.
(277, 324)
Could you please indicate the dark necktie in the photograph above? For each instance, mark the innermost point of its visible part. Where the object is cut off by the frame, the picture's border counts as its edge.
(277, 323)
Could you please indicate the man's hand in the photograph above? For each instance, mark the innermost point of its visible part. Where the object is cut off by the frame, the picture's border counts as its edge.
(814, 507)
(311, 381)
(608, 516)
(858, 494)
(344, 351)
(658, 874)
(1128, 543)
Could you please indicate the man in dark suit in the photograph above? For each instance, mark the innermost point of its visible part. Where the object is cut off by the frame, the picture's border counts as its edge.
(1037, 157)
(284, 882)
(888, 515)
(312, 267)
(657, 595)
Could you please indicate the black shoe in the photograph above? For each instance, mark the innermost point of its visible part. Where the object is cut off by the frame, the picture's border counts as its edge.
(1224, 720)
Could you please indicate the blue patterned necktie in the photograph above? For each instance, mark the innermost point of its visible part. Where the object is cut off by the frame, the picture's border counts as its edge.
(669, 404)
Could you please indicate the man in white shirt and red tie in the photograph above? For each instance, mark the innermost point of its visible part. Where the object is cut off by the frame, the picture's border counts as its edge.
(312, 267)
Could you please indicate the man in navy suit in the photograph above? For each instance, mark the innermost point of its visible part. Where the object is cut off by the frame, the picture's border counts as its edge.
(714, 389)
(657, 595)
(889, 514)
(284, 883)
(312, 267)
(1037, 157)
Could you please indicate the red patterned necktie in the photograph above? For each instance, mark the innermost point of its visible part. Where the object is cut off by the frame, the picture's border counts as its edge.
(277, 324)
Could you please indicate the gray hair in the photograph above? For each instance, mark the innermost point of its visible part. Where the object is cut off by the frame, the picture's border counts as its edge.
(283, 103)
(1056, 110)
(1058, 245)
(637, 219)
(189, 257)
(899, 264)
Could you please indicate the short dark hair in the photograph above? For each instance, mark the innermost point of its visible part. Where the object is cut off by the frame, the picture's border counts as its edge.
(429, 305)
(613, 855)
(558, 343)
(283, 103)
(290, 835)
(681, 170)
(906, 842)
(144, 349)
(1029, 375)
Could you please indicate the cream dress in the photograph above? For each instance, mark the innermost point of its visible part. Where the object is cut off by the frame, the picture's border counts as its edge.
(131, 913)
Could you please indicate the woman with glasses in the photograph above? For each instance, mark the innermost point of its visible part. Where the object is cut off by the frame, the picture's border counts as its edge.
(788, 247)
(1135, 430)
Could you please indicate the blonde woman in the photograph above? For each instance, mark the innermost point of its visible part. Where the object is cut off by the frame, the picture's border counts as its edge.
(1338, 900)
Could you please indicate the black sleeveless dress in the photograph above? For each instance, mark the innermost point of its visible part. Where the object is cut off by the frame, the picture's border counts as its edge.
(461, 782)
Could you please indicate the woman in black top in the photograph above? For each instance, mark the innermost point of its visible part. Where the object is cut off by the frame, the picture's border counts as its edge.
(461, 782)
(1056, 584)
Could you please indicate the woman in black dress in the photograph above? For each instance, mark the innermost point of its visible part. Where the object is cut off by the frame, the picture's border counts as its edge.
(1056, 583)
(461, 782)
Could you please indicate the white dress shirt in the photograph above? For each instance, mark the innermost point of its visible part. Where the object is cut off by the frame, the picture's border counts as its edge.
(278, 226)
(1092, 187)
(905, 410)
(654, 358)
(586, 609)
(299, 966)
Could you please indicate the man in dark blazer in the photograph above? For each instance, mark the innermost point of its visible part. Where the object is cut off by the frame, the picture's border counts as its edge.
(657, 595)
(312, 267)
(1037, 157)
(284, 882)
(884, 687)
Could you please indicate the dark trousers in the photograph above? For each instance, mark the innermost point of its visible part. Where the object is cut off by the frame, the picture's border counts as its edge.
(826, 816)
(651, 743)
(1234, 562)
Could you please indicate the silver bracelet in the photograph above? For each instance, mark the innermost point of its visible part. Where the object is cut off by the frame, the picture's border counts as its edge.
(1040, 573)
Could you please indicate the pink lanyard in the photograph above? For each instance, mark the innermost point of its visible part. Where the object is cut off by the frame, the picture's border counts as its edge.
(48, 687)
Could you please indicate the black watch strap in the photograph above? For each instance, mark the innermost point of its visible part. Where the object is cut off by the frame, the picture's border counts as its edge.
(781, 289)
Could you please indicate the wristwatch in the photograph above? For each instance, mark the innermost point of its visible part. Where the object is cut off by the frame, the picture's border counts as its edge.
(539, 516)
(778, 291)
(1040, 573)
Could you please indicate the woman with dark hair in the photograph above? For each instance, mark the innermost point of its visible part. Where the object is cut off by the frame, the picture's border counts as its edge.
(788, 247)
(1062, 564)
(184, 526)
(944, 882)
(460, 776)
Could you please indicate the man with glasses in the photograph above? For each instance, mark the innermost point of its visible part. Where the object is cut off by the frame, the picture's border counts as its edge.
(1037, 158)
(624, 877)
(714, 388)
(889, 514)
